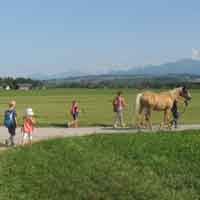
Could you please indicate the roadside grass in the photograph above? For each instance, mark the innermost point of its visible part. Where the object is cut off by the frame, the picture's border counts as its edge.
(123, 166)
(52, 106)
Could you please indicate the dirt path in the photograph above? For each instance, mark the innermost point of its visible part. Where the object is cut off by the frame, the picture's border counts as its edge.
(54, 132)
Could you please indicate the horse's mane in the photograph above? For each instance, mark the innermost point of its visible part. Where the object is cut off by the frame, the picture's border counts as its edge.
(172, 91)
(175, 93)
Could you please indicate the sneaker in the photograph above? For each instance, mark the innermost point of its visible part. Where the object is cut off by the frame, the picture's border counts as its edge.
(114, 126)
(123, 125)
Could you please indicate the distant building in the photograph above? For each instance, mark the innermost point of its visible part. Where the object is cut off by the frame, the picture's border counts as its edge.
(24, 86)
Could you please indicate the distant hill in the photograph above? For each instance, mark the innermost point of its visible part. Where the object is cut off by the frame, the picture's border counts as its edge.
(184, 66)
(58, 76)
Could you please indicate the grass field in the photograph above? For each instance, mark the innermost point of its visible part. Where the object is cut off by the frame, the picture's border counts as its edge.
(52, 106)
(124, 166)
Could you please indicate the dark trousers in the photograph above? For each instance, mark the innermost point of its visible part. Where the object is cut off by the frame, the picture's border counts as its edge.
(174, 122)
(12, 131)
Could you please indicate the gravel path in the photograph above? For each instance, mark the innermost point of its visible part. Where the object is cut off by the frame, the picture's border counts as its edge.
(55, 132)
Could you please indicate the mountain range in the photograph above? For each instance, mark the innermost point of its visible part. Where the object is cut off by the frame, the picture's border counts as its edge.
(183, 66)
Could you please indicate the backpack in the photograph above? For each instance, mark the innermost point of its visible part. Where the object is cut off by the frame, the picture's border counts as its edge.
(8, 118)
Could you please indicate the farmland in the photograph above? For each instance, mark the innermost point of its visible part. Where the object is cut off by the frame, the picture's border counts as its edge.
(52, 106)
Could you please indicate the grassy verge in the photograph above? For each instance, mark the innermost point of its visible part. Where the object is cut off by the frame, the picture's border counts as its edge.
(142, 166)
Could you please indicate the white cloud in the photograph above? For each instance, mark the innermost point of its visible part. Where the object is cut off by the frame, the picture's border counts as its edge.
(195, 54)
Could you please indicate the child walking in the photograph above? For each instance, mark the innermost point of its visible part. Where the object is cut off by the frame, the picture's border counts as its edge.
(27, 128)
(10, 122)
(118, 107)
(74, 111)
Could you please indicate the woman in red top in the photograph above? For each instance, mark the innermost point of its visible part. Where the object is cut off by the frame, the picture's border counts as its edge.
(27, 128)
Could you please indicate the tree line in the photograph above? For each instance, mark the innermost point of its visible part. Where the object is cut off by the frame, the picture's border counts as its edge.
(141, 83)
(13, 82)
(125, 83)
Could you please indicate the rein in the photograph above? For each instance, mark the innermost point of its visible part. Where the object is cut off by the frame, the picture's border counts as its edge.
(181, 113)
(186, 105)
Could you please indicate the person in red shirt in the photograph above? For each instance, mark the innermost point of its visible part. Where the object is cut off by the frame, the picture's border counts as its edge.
(118, 106)
(74, 111)
(28, 127)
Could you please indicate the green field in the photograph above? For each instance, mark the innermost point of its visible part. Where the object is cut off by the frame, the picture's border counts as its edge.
(123, 166)
(52, 106)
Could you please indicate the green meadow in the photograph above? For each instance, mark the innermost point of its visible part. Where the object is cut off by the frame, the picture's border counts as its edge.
(52, 106)
(122, 166)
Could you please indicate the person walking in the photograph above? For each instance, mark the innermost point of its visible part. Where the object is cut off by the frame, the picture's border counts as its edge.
(10, 122)
(118, 106)
(28, 127)
(74, 111)
(175, 114)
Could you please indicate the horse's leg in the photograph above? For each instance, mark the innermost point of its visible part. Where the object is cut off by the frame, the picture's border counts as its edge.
(143, 118)
(168, 118)
(148, 118)
(139, 119)
(163, 122)
(143, 121)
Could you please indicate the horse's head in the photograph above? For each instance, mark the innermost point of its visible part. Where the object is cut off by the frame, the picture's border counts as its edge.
(183, 92)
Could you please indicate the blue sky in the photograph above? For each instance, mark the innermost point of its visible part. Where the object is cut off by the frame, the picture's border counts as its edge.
(92, 36)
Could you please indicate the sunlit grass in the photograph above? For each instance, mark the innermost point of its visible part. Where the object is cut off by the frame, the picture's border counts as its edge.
(52, 106)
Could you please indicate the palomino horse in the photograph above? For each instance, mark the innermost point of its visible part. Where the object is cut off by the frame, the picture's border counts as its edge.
(163, 101)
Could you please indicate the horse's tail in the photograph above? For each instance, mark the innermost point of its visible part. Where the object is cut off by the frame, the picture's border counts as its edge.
(138, 103)
(138, 107)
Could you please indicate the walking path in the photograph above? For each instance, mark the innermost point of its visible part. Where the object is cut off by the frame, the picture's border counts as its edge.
(55, 132)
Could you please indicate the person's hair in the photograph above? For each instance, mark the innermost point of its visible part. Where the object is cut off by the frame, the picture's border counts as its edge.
(119, 93)
(12, 103)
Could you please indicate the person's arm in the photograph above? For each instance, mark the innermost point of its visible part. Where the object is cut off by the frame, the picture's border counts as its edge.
(15, 118)
(33, 120)
(71, 109)
(124, 104)
(77, 108)
(22, 128)
(114, 101)
(16, 122)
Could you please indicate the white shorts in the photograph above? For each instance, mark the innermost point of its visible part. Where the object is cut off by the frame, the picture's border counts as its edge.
(27, 136)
